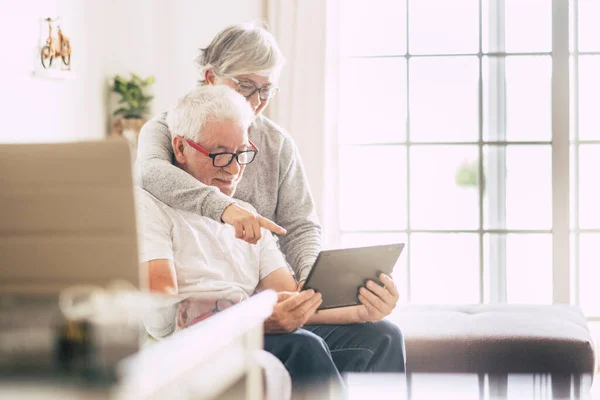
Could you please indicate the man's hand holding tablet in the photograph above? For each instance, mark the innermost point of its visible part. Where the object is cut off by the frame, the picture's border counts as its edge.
(357, 276)
(377, 302)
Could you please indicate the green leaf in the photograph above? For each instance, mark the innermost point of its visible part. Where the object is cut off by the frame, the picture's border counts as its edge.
(132, 95)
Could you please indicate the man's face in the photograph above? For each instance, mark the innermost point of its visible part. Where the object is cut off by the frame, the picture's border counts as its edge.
(218, 137)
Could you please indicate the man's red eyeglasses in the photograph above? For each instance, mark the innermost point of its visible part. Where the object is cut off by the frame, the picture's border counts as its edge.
(224, 159)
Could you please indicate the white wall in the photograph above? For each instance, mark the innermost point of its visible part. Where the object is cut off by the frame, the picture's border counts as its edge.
(299, 28)
(190, 25)
(148, 37)
(34, 109)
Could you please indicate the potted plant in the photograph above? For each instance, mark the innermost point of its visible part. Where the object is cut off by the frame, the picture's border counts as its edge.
(134, 105)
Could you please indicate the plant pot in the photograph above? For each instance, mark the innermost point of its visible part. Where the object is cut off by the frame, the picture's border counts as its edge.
(130, 129)
(132, 125)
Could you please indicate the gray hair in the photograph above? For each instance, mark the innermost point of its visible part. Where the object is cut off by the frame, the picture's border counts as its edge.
(241, 49)
(208, 103)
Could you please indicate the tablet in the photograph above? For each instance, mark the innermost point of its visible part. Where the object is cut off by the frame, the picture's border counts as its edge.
(338, 274)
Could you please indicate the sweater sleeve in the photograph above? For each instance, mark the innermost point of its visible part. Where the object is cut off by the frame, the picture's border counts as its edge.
(165, 181)
(296, 212)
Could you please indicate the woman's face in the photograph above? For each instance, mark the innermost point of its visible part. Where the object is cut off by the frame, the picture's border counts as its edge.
(247, 81)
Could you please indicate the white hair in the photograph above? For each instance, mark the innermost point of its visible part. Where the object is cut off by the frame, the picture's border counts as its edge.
(208, 103)
(240, 49)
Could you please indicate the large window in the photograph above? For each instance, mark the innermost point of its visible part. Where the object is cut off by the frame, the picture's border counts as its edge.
(585, 157)
(453, 135)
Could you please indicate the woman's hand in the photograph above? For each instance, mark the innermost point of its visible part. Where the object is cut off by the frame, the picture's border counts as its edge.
(247, 224)
(377, 302)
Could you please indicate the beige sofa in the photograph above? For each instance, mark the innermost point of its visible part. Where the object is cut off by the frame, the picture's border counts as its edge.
(497, 339)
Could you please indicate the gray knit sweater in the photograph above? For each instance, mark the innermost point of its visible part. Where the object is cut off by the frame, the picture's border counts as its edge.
(275, 184)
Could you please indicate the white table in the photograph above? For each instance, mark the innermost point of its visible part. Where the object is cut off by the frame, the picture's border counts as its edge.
(213, 359)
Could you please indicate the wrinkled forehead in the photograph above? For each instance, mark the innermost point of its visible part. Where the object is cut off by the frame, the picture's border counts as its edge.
(260, 79)
(224, 133)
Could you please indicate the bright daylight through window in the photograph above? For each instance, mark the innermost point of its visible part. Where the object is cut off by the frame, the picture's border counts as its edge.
(463, 150)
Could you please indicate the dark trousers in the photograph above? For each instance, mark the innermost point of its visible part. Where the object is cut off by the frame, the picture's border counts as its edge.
(319, 354)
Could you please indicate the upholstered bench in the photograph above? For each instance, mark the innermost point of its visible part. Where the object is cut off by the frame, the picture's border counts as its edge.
(496, 339)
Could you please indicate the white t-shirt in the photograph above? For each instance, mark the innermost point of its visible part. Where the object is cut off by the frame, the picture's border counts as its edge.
(209, 261)
(206, 254)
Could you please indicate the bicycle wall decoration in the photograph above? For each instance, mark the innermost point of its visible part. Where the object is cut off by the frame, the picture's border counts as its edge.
(55, 47)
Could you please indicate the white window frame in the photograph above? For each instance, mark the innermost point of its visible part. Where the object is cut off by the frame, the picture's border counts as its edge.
(565, 286)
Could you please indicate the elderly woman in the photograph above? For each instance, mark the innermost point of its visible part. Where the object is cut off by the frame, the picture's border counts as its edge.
(247, 59)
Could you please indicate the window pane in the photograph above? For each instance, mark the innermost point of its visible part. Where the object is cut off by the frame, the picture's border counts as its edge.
(443, 99)
(494, 256)
(589, 195)
(524, 201)
(444, 268)
(573, 195)
(489, 42)
(573, 102)
(443, 27)
(493, 70)
(589, 97)
(589, 274)
(528, 98)
(528, 262)
(373, 111)
(528, 102)
(443, 192)
(348, 240)
(528, 26)
(589, 30)
(377, 27)
(373, 188)
(529, 268)
(529, 187)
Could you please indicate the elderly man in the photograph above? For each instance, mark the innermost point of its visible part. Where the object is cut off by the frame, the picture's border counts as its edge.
(190, 255)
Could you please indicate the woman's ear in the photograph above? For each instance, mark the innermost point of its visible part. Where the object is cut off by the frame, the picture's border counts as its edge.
(178, 149)
(209, 77)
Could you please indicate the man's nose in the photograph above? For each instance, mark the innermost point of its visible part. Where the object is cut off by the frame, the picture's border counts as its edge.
(234, 167)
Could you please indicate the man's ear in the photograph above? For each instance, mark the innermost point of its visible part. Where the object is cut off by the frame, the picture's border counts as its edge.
(178, 149)
(209, 77)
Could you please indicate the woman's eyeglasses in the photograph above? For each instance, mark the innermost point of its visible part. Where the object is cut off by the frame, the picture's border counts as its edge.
(247, 89)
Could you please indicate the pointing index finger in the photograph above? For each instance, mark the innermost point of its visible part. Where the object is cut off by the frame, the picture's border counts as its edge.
(271, 226)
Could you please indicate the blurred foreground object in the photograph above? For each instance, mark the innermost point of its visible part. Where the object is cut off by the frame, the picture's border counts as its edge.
(68, 221)
(79, 336)
(68, 216)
